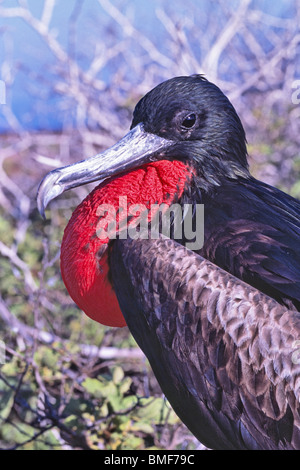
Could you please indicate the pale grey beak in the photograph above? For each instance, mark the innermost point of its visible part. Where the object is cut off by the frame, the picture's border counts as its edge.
(135, 149)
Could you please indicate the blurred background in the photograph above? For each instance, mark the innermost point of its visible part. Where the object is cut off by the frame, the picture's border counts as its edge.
(71, 73)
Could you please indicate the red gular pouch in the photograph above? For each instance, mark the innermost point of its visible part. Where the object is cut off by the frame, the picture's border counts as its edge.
(107, 212)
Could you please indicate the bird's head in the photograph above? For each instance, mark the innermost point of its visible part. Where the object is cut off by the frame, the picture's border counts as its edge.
(184, 128)
(184, 118)
(197, 117)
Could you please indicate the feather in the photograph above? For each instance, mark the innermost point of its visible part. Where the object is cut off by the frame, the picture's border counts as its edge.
(227, 372)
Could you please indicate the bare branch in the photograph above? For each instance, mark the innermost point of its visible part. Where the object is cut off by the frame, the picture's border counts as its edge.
(211, 62)
(30, 334)
(47, 12)
(131, 31)
(16, 261)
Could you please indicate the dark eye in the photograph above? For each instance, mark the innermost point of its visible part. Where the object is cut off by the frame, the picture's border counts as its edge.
(189, 121)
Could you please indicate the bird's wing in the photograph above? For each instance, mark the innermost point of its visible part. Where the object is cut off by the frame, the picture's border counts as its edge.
(252, 231)
(226, 355)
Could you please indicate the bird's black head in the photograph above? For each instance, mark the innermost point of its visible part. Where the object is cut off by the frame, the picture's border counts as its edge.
(185, 118)
(196, 114)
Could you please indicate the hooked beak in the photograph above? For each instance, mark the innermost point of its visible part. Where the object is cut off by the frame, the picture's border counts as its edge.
(136, 148)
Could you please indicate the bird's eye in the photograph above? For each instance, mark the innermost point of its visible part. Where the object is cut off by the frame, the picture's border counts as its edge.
(189, 121)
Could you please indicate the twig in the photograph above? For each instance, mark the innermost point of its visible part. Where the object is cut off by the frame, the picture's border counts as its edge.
(19, 263)
(211, 62)
(30, 334)
(131, 31)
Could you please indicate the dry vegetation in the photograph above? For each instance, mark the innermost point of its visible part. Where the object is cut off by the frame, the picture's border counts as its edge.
(65, 381)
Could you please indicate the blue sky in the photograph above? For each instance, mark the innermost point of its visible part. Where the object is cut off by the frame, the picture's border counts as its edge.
(32, 64)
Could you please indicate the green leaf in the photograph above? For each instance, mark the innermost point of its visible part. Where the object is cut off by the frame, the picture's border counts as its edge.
(142, 427)
(92, 386)
(125, 385)
(156, 411)
(118, 375)
(100, 389)
(6, 401)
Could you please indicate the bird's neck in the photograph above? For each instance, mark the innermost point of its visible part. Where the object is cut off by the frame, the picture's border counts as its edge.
(85, 246)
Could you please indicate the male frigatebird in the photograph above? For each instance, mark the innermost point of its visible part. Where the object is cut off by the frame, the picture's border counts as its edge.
(220, 324)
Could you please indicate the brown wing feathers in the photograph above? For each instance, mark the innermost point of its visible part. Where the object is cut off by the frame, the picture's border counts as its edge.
(227, 347)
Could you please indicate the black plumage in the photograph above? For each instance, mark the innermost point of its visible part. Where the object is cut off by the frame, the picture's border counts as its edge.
(220, 349)
(252, 229)
(219, 325)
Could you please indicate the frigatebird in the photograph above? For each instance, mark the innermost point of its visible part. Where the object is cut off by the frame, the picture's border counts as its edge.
(220, 323)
